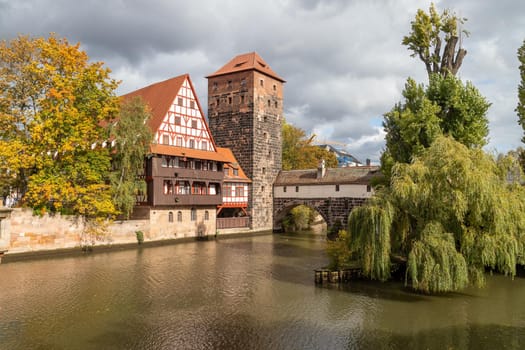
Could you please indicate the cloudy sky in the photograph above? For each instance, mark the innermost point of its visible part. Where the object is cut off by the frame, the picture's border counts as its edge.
(343, 60)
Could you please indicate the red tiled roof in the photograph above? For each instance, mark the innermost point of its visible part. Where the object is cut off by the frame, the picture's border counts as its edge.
(187, 152)
(232, 163)
(247, 61)
(159, 97)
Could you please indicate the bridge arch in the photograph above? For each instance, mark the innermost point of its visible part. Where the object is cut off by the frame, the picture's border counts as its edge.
(332, 210)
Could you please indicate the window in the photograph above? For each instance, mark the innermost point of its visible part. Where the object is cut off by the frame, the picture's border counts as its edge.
(166, 139)
(261, 82)
(337, 188)
(179, 216)
(296, 188)
(192, 143)
(284, 188)
(192, 104)
(170, 217)
(274, 87)
(193, 214)
(179, 141)
(204, 146)
(198, 165)
(264, 170)
(177, 120)
(214, 85)
(262, 188)
(276, 104)
(217, 102)
(164, 163)
(235, 172)
(269, 103)
(242, 98)
(179, 102)
(226, 171)
(368, 188)
(194, 123)
(229, 84)
(239, 191)
(229, 100)
(243, 82)
(182, 187)
(206, 215)
(167, 187)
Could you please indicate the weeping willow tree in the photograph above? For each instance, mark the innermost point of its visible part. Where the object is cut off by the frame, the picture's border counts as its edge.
(452, 213)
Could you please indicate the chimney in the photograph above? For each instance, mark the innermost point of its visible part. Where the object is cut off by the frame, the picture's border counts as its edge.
(321, 170)
(367, 161)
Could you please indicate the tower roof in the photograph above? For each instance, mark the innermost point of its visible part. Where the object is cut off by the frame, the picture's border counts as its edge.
(244, 62)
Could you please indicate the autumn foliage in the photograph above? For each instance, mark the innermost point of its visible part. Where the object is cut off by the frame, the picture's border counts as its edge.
(52, 103)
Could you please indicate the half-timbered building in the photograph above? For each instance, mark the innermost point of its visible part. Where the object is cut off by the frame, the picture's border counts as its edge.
(185, 170)
(233, 212)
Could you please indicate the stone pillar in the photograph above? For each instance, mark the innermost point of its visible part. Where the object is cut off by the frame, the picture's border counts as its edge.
(5, 228)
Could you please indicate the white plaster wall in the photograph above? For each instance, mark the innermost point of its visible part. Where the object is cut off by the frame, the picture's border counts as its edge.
(323, 191)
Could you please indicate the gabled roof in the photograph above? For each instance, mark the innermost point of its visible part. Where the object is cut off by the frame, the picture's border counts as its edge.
(350, 175)
(227, 154)
(244, 62)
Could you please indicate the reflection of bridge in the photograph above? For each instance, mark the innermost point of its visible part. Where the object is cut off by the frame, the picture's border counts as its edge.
(331, 192)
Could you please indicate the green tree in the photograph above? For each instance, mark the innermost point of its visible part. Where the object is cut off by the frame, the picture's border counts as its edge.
(451, 213)
(299, 152)
(445, 107)
(520, 109)
(132, 138)
(52, 104)
(428, 33)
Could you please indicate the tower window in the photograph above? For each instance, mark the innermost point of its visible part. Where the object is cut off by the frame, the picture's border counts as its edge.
(284, 188)
(217, 102)
(264, 170)
(276, 104)
(261, 82)
(296, 188)
(274, 87)
(242, 98)
(214, 85)
(229, 100)
(269, 103)
(337, 188)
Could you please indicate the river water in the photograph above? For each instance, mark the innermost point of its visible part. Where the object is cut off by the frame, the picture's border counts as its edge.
(243, 293)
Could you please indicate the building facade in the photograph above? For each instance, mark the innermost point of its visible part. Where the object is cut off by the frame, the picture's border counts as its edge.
(245, 112)
(184, 171)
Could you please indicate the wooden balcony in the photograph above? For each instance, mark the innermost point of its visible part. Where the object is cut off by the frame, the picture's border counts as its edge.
(240, 222)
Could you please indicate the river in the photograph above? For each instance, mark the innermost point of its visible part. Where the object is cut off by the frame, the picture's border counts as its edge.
(243, 293)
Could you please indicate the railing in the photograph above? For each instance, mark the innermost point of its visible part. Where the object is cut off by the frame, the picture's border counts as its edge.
(233, 222)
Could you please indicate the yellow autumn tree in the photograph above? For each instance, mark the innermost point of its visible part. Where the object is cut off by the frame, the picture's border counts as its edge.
(52, 103)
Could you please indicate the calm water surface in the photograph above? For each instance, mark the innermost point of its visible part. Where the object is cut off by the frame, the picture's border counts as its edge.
(246, 293)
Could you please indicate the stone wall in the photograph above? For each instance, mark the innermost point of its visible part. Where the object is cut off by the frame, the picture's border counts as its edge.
(331, 209)
(25, 232)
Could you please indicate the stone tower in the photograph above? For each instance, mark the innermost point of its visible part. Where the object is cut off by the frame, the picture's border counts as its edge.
(245, 112)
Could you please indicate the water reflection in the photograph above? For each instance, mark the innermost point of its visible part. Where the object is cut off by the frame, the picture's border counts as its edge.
(250, 293)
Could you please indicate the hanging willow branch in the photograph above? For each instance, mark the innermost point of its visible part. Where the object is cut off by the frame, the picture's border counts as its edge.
(370, 227)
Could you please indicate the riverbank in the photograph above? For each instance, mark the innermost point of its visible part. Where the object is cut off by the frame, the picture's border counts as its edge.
(117, 247)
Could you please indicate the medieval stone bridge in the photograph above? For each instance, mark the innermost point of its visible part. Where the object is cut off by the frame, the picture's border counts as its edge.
(333, 210)
(332, 192)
